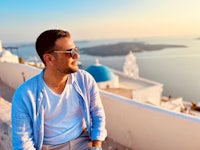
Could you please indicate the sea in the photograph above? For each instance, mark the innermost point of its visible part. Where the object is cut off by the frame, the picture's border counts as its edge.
(178, 69)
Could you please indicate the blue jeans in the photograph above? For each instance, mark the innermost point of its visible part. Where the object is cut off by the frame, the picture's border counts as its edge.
(80, 143)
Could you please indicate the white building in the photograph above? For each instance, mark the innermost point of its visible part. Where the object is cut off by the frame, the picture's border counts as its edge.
(140, 89)
(7, 56)
(127, 84)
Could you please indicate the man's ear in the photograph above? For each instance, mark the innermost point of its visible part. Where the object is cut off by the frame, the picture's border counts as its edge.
(48, 58)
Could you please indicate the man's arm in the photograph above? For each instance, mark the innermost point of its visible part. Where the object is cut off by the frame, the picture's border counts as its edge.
(22, 132)
(98, 132)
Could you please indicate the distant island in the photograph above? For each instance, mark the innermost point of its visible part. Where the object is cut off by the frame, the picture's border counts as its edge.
(124, 48)
(198, 38)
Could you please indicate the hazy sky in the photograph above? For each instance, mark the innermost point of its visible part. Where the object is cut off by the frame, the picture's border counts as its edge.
(24, 20)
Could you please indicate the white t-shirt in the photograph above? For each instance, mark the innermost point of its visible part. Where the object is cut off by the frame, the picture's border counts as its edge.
(63, 115)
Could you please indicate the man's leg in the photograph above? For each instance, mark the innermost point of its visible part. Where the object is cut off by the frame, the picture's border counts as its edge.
(81, 143)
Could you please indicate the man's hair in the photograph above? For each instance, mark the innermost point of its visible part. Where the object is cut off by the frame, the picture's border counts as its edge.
(46, 40)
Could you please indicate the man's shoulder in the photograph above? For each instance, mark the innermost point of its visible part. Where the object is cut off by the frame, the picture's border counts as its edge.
(82, 74)
(80, 71)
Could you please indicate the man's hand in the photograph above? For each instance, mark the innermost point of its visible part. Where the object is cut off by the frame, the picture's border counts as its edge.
(96, 143)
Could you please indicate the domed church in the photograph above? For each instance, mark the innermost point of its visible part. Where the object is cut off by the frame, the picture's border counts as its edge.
(103, 75)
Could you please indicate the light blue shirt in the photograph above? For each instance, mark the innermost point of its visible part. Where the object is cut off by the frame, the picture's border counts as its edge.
(28, 111)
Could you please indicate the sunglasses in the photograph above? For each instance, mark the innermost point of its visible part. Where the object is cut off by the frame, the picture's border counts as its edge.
(72, 51)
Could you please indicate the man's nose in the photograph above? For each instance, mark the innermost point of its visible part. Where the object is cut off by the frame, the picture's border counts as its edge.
(76, 55)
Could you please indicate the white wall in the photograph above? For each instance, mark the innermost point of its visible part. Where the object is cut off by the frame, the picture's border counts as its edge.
(114, 83)
(12, 73)
(146, 127)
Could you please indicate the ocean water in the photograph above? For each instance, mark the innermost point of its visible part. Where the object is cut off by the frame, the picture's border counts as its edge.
(178, 69)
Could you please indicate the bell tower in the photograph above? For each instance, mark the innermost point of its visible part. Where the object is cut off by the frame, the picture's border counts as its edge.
(130, 67)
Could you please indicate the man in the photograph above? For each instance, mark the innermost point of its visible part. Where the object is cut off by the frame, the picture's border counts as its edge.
(60, 108)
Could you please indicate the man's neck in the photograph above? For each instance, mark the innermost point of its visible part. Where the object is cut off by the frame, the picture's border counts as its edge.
(55, 82)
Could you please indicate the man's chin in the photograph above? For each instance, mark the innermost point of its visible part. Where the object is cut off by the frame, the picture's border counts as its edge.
(75, 69)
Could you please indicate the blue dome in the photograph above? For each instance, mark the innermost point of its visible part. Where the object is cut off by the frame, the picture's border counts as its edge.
(100, 73)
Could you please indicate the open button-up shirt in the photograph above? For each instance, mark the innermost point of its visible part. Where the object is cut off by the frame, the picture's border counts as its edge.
(28, 111)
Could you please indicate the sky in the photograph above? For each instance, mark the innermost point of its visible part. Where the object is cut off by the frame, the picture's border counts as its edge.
(24, 20)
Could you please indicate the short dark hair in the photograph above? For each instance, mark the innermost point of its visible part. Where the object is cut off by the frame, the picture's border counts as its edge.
(46, 40)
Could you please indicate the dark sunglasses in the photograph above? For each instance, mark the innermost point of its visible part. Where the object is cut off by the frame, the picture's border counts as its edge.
(72, 51)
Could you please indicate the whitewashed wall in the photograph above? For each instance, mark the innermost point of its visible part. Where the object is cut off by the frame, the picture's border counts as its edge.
(114, 83)
(143, 126)
(14, 74)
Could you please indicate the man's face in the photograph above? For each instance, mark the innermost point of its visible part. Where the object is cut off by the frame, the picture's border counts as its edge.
(64, 62)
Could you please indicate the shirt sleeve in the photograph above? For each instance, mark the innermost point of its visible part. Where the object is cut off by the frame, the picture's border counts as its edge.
(98, 118)
(22, 129)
